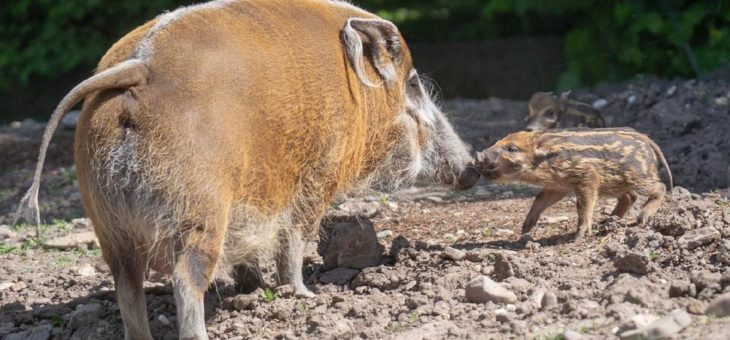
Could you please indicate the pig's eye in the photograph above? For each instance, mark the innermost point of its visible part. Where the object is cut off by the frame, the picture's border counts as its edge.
(512, 148)
(550, 114)
(413, 82)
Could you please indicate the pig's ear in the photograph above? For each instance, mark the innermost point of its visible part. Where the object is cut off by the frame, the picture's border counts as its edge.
(377, 38)
(564, 99)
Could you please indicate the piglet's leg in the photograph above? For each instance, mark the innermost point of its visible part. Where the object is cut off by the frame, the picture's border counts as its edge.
(625, 202)
(289, 262)
(586, 201)
(656, 197)
(543, 200)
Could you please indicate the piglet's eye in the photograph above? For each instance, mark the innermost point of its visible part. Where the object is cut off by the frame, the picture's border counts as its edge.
(512, 148)
(550, 114)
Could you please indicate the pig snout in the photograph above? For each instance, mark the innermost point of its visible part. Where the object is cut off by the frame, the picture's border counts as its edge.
(468, 178)
(487, 160)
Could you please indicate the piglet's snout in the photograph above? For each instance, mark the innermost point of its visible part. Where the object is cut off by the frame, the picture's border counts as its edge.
(487, 160)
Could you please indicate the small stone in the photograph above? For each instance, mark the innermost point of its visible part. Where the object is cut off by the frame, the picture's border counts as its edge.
(85, 314)
(86, 269)
(72, 241)
(349, 242)
(534, 246)
(163, 319)
(671, 90)
(70, 119)
(631, 262)
(16, 125)
(482, 289)
(599, 104)
(664, 328)
(706, 280)
(338, 276)
(501, 315)
(722, 101)
(82, 223)
(555, 219)
(573, 335)
(358, 208)
(723, 252)
(6, 232)
(384, 234)
(18, 286)
(678, 288)
(454, 254)
(720, 306)
(697, 307)
(5, 285)
(549, 299)
(698, 237)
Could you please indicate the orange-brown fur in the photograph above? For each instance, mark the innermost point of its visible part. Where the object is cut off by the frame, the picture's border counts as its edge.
(616, 162)
(546, 111)
(221, 132)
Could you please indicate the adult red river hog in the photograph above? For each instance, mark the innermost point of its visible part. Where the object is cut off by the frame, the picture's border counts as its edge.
(219, 133)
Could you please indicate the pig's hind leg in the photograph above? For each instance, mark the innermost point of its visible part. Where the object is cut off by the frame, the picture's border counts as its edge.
(289, 261)
(625, 202)
(653, 202)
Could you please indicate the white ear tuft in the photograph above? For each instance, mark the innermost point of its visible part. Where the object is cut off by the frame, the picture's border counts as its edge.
(381, 37)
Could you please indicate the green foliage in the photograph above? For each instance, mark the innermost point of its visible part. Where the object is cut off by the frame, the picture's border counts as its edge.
(268, 295)
(603, 40)
(45, 38)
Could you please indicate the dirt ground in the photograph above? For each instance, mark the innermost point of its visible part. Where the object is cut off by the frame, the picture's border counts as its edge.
(620, 278)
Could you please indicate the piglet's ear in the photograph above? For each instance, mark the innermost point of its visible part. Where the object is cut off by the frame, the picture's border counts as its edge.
(564, 99)
(380, 41)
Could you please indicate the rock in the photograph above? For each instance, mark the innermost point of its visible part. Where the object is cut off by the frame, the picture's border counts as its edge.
(85, 314)
(706, 280)
(671, 90)
(599, 103)
(698, 237)
(73, 241)
(359, 208)
(573, 335)
(163, 319)
(242, 302)
(454, 254)
(719, 306)
(86, 269)
(16, 287)
(554, 219)
(6, 232)
(549, 300)
(506, 266)
(338, 276)
(664, 328)
(82, 223)
(349, 242)
(70, 119)
(482, 289)
(42, 332)
(384, 234)
(631, 262)
(678, 288)
(502, 315)
(723, 252)
(5, 285)
(722, 101)
(697, 307)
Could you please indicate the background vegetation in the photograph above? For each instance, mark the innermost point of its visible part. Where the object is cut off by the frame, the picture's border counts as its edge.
(603, 40)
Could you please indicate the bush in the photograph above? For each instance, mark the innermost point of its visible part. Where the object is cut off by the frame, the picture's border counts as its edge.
(604, 40)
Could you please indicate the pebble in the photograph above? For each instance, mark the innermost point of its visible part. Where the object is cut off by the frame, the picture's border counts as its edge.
(163, 319)
(6, 232)
(555, 219)
(720, 306)
(664, 328)
(722, 101)
(86, 269)
(671, 90)
(599, 104)
(18, 286)
(549, 299)
(483, 289)
(723, 252)
(454, 254)
(384, 234)
(5, 285)
(73, 241)
(631, 262)
(698, 237)
(572, 335)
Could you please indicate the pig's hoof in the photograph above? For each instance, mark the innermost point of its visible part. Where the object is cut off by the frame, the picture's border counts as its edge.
(304, 293)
